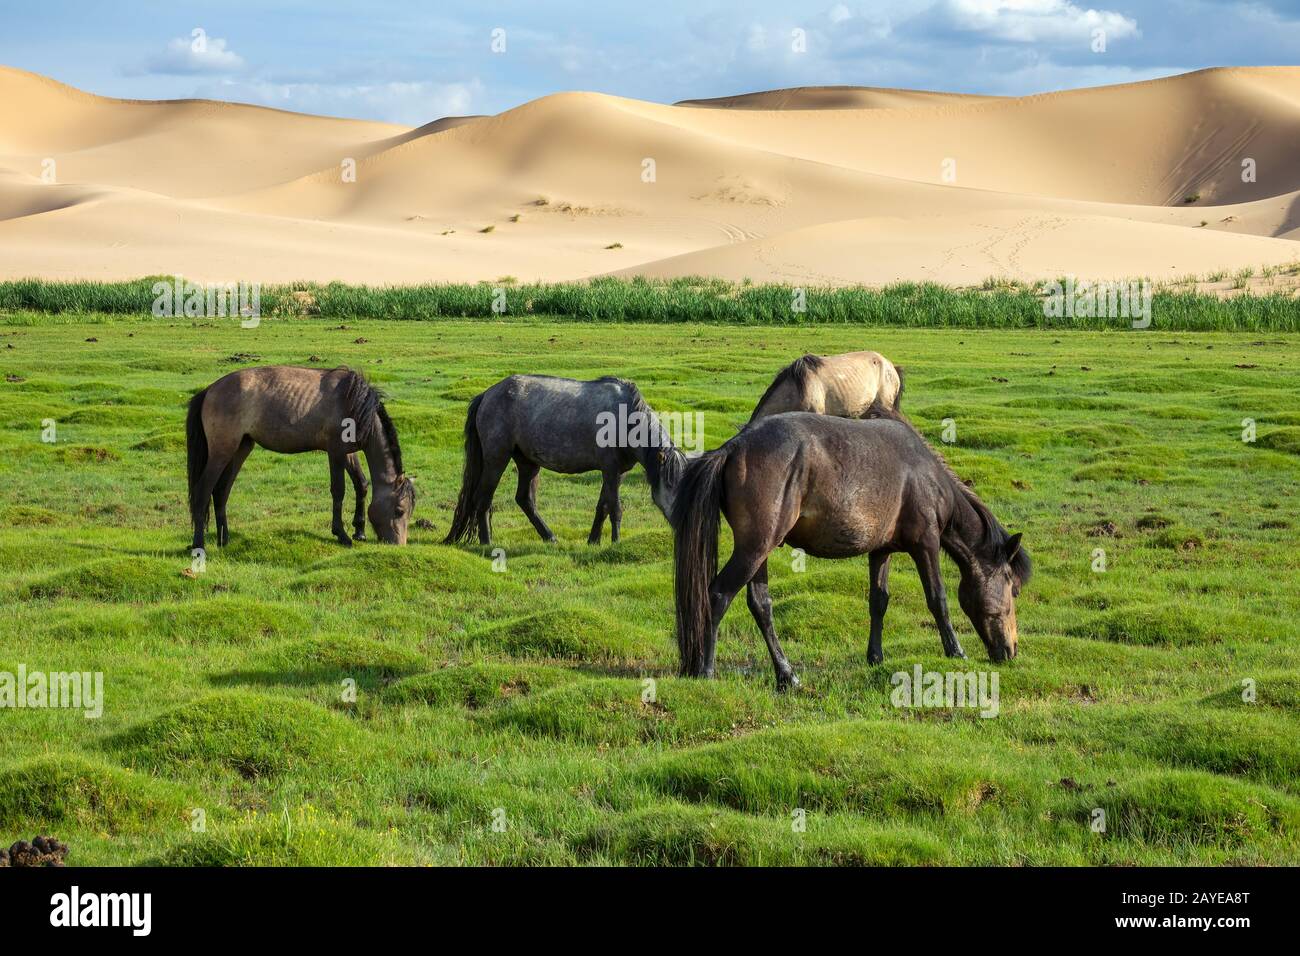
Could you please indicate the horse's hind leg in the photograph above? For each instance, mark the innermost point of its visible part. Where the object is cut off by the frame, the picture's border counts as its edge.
(221, 494)
(760, 605)
(927, 563)
(526, 495)
(337, 490)
(878, 603)
(493, 469)
(735, 574)
(218, 458)
(360, 486)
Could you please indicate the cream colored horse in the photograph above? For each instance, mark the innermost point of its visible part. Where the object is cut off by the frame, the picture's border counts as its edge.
(844, 385)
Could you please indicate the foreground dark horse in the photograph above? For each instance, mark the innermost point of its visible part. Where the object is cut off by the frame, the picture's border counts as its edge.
(292, 410)
(837, 488)
(848, 385)
(564, 426)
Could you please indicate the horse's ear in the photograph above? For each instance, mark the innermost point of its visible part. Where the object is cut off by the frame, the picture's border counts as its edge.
(1012, 545)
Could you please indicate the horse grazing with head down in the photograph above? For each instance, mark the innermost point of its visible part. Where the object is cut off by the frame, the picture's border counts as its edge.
(291, 410)
(561, 425)
(846, 385)
(837, 488)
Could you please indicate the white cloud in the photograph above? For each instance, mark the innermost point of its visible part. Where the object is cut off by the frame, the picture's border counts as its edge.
(1033, 21)
(839, 13)
(409, 103)
(198, 54)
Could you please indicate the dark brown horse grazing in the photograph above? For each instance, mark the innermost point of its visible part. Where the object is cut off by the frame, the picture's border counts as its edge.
(837, 488)
(293, 410)
(562, 425)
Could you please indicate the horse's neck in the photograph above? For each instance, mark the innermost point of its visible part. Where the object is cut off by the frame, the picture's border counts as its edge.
(964, 532)
(383, 470)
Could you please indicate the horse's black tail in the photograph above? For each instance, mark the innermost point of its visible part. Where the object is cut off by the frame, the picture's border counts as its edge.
(696, 514)
(196, 454)
(902, 382)
(462, 523)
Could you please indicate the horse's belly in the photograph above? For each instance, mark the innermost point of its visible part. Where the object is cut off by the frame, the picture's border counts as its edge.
(284, 446)
(564, 464)
(832, 539)
(293, 438)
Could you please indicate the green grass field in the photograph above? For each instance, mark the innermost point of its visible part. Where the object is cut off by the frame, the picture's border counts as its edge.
(499, 716)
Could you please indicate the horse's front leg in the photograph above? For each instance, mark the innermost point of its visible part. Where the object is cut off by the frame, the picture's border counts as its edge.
(359, 486)
(604, 507)
(878, 603)
(615, 506)
(927, 563)
(337, 490)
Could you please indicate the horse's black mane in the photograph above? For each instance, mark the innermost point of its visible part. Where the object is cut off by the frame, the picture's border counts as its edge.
(994, 537)
(670, 469)
(798, 372)
(365, 405)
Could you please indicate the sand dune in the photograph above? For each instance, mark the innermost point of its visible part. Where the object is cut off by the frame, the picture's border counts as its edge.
(832, 98)
(812, 185)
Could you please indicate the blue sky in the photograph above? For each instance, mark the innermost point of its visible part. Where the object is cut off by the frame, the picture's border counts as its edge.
(414, 62)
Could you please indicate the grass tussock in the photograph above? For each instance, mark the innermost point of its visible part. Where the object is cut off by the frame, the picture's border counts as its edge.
(519, 705)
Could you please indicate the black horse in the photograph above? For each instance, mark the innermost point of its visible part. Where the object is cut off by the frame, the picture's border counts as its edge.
(837, 488)
(564, 426)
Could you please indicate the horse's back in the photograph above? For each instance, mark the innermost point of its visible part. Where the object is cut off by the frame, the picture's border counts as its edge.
(852, 382)
(844, 452)
(553, 421)
(281, 407)
(844, 385)
(891, 435)
(841, 484)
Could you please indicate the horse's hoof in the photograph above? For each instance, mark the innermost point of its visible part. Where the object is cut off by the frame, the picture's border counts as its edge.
(787, 682)
(359, 536)
(344, 540)
(874, 658)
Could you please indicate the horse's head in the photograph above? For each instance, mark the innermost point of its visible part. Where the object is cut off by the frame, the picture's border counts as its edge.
(390, 510)
(988, 593)
(665, 476)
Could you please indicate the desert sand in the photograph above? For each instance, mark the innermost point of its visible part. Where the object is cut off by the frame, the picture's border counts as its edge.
(828, 185)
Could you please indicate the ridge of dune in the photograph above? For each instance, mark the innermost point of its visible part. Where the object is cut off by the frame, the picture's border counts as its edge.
(182, 148)
(12, 78)
(831, 98)
(813, 184)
